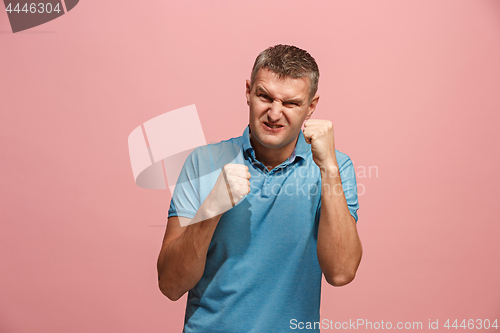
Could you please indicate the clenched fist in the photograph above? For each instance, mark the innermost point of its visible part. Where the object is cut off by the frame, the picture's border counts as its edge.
(319, 133)
(231, 186)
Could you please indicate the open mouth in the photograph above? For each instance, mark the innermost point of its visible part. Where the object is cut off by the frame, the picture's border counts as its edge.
(273, 126)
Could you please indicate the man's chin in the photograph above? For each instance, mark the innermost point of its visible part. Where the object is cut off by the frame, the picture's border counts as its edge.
(273, 142)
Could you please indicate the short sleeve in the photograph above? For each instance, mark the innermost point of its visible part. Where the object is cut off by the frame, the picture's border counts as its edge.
(186, 197)
(349, 185)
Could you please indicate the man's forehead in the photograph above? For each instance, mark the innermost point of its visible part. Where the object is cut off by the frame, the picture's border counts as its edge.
(267, 81)
(266, 73)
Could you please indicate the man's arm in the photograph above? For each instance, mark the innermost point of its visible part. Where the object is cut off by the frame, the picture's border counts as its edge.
(338, 247)
(183, 254)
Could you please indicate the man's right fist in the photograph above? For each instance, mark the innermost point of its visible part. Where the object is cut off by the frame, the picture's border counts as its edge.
(237, 179)
(231, 186)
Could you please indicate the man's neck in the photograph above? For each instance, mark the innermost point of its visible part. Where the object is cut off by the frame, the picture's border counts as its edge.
(272, 157)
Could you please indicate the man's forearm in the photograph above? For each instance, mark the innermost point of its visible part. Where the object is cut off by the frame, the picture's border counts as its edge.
(339, 248)
(181, 262)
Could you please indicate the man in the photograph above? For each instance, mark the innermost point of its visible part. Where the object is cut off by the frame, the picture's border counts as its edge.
(277, 208)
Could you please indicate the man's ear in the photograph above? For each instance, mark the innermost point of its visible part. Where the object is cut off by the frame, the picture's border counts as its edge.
(312, 106)
(248, 90)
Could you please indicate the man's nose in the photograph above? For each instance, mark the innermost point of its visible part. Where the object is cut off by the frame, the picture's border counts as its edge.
(275, 111)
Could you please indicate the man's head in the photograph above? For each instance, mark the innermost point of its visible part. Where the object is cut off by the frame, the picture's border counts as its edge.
(281, 96)
(288, 61)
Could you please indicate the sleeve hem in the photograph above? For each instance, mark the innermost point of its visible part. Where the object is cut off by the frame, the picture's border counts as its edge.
(182, 214)
(354, 214)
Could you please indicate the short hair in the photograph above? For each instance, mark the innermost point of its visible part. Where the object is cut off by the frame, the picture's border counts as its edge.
(288, 61)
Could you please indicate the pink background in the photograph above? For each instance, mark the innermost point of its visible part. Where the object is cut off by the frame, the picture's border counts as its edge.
(411, 86)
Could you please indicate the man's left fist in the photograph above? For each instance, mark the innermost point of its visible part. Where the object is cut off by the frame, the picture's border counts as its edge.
(319, 133)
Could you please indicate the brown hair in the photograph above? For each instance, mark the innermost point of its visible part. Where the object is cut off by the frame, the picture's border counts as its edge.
(288, 61)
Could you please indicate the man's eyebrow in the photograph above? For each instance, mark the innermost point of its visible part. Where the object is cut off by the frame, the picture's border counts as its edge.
(262, 90)
(293, 101)
(298, 101)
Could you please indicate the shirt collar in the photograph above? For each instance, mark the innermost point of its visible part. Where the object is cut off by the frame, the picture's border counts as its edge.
(301, 148)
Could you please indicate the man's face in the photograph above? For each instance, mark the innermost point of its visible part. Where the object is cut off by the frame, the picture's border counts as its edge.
(278, 108)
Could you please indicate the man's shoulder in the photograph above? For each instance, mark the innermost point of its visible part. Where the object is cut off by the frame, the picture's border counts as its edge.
(223, 152)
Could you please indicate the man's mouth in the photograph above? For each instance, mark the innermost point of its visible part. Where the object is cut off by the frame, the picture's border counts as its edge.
(273, 126)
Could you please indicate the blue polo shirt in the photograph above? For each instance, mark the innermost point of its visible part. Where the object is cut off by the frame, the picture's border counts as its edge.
(262, 270)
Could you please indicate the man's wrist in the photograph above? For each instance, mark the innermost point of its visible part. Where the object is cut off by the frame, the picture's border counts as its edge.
(214, 206)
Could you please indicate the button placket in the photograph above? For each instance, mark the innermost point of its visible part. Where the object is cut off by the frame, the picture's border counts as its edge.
(265, 186)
